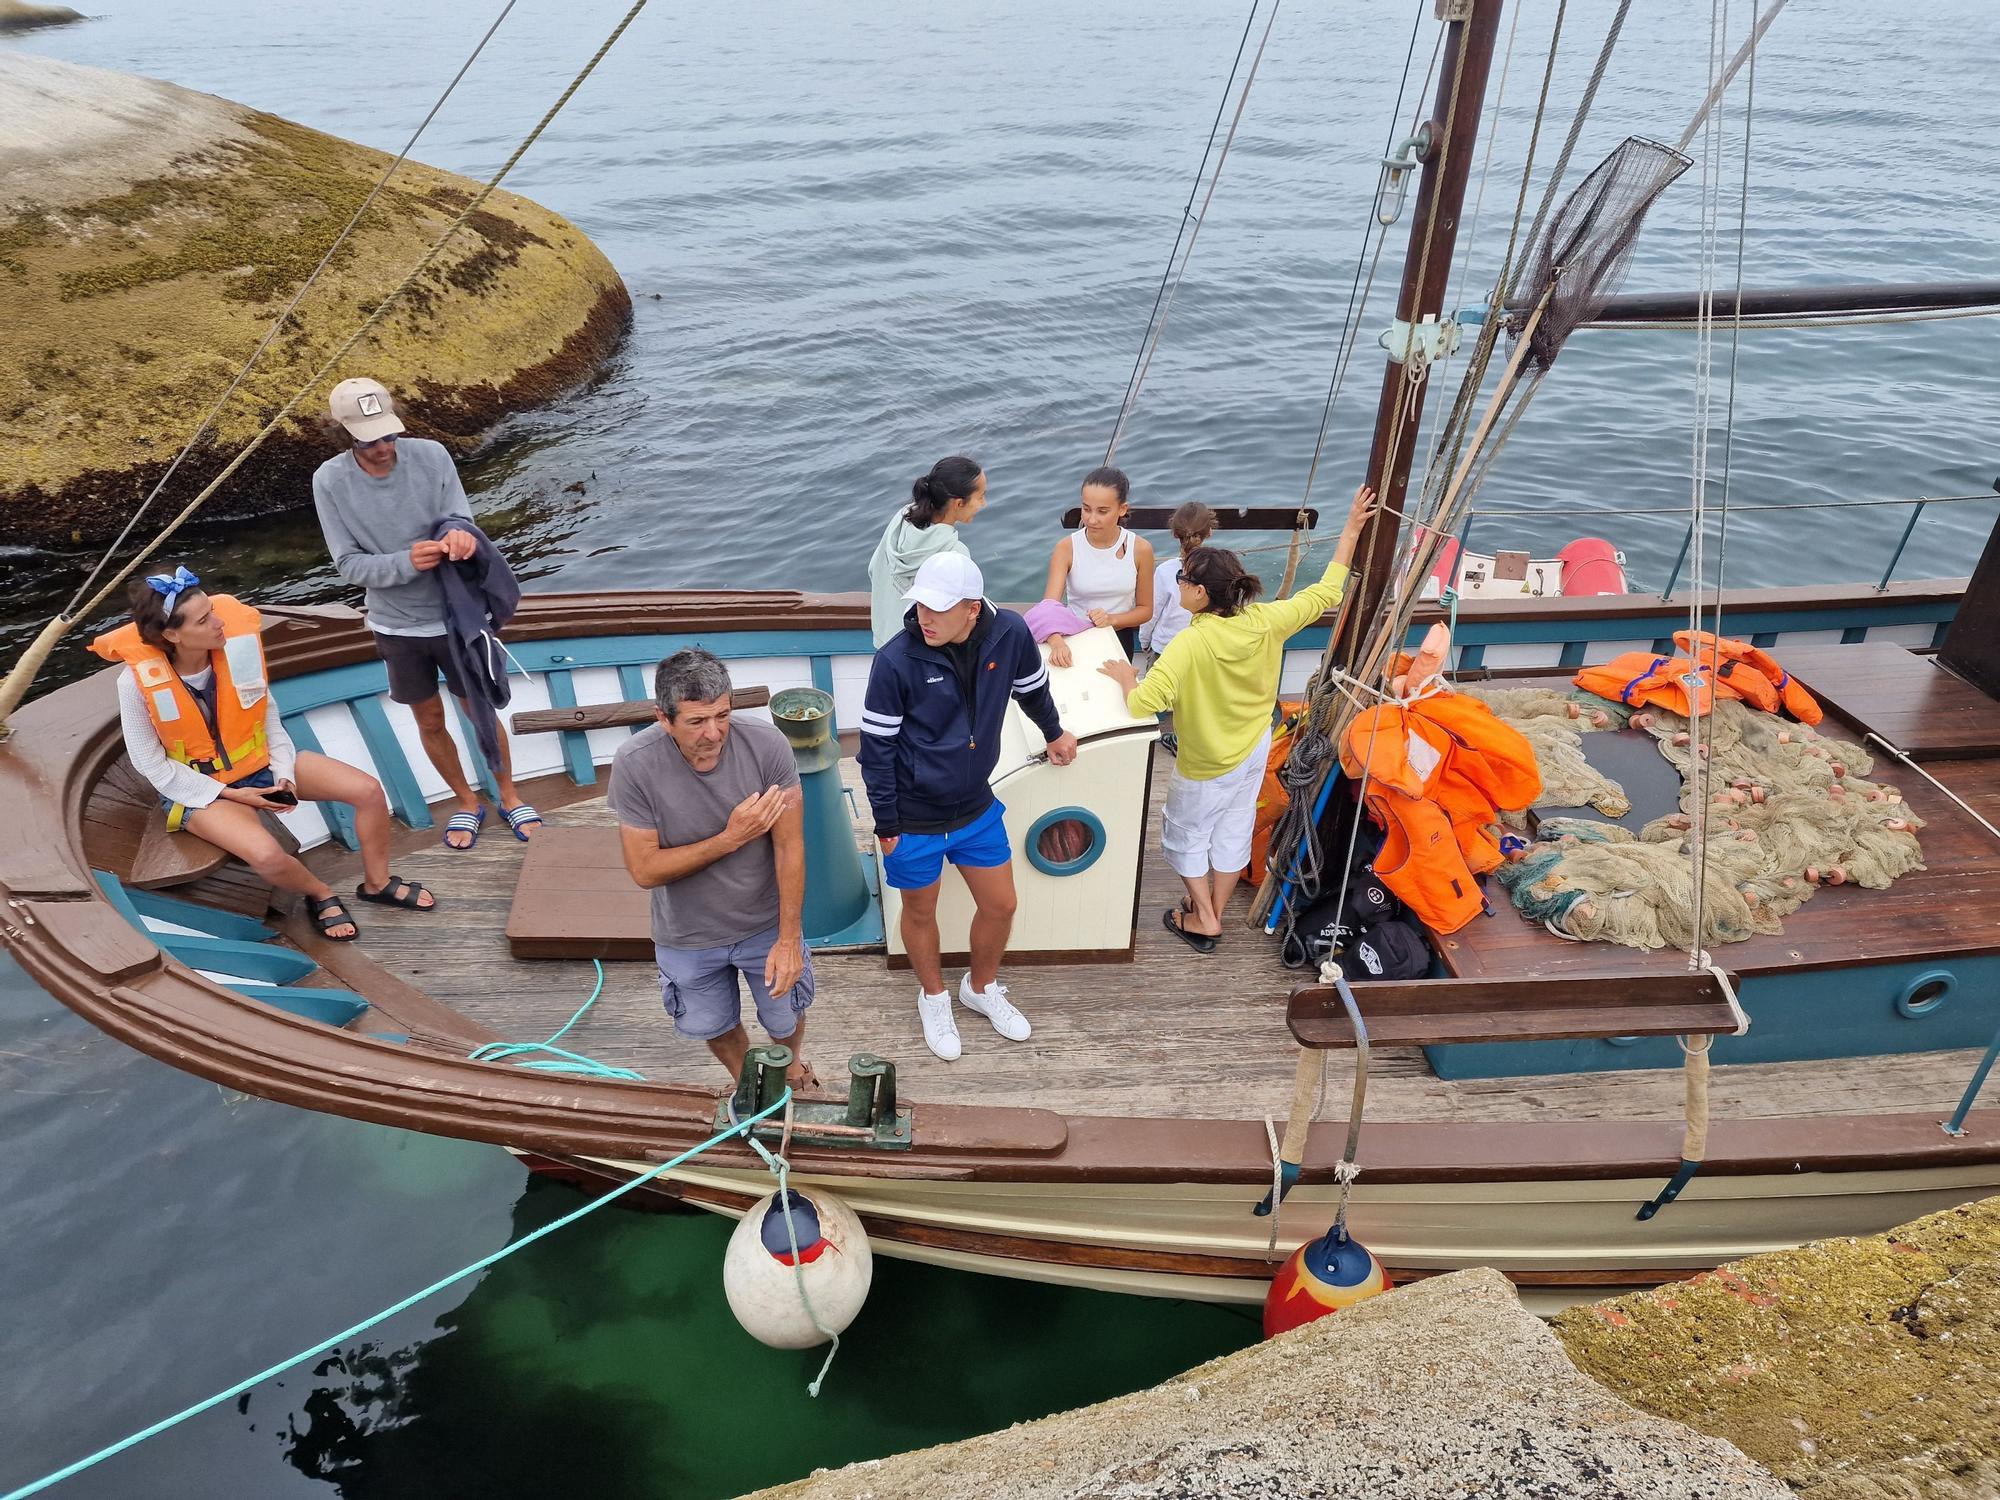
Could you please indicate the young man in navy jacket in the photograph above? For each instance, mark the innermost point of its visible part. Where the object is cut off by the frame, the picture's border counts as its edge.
(930, 737)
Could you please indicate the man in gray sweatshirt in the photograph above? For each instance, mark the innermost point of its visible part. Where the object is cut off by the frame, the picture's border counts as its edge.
(379, 503)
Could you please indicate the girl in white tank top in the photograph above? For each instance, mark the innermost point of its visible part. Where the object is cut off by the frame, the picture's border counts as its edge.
(1102, 570)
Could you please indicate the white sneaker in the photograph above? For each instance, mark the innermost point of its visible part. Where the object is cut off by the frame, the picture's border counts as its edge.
(993, 1004)
(940, 1030)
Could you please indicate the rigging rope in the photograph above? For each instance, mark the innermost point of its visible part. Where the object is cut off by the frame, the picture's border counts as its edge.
(278, 323)
(243, 1387)
(1187, 217)
(15, 687)
(1159, 329)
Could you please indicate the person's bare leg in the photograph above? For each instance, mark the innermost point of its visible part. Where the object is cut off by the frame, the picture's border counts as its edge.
(1221, 883)
(503, 776)
(241, 831)
(993, 905)
(920, 937)
(321, 778)
(729, 1049)
(1200, 915)
(443, 753)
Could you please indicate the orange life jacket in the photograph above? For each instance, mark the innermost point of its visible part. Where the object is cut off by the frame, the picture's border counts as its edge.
(1403, 755)
(1492, 766)
(1272, 798)
(242, 691)
(1641, 679)
(1750, 672)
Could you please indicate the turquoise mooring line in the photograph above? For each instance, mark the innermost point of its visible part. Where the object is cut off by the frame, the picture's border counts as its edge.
(404, 1305)
(558, 1061)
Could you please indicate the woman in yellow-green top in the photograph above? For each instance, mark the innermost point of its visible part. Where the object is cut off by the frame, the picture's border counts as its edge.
(1220, 677)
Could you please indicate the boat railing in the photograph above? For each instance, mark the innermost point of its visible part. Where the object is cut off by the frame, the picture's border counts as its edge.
(1918, 505)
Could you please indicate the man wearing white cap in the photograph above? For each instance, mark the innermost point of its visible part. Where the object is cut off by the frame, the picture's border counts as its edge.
(930, 738)
(379, 503)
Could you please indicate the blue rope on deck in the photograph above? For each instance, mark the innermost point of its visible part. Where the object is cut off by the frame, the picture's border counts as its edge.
(241, 1386)
(559, 1060)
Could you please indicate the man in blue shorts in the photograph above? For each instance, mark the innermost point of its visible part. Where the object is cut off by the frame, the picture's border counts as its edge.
(930, 737)
(710, 820)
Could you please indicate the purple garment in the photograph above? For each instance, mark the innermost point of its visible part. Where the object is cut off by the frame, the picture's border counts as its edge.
(1053, 617)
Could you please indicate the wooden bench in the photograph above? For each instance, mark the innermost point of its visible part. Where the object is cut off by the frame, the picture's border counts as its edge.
(125, 833)
(574, 899)
(1914, 702)
(614, 715)
(1439, 1012)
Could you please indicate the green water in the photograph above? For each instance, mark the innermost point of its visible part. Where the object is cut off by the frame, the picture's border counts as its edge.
(166, 1238)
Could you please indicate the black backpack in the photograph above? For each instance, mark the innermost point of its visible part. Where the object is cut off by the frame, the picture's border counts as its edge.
(1324, 929)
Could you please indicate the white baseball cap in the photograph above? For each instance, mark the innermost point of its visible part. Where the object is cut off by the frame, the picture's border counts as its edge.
(945, 579)
(363, 407)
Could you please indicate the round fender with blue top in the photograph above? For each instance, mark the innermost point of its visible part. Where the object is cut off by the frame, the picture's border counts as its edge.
(769, 1282)
(1322, 1276)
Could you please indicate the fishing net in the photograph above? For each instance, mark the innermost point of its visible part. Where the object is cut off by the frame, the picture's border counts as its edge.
(1553, 722)
(1582, 256)
(1794, 812)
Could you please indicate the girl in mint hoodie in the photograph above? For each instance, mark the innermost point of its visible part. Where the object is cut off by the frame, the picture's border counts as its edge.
(940, 502)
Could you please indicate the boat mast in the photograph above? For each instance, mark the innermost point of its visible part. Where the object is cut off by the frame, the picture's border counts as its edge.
(1471, 26)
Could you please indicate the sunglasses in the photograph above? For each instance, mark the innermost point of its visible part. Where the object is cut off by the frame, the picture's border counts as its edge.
(376, 442)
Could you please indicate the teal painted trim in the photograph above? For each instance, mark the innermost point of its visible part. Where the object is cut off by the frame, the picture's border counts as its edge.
(205, 920)
(822, 670)
(632, 679)
(1572, 655)
(622, 650)
(392, 767)
(265, 961)
(298, 695)
(1662, 625)
(1664, 646)
(334, 1008)
(1764, 640)
(1031, 842)
(1471, 657)
(481, 773)
(1853, 635)
(1795, 1015)
(339, 816)
(575, 743)
(1938, 635)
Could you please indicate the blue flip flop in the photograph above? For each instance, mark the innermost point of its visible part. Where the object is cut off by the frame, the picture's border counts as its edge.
(463, 822)
(519, 817)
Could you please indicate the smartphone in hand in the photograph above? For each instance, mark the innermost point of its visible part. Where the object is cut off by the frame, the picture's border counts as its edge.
(277, 797)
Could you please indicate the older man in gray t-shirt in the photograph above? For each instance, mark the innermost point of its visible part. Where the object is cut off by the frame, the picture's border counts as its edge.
(711, 821)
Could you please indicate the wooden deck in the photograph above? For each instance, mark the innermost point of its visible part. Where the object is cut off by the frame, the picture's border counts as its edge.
(1912, 701)
(1950, 907)
(1172, 1034)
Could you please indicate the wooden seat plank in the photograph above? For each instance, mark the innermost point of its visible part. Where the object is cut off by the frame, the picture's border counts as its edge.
(574, 900)
(614, 715)
(1436, 1012)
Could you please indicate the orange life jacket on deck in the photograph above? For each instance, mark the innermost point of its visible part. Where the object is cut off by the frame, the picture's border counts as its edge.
(1639, 679)
(242, 691)
(1403, 755)
(1751, 673)
(1272, 798)
(1492, 766)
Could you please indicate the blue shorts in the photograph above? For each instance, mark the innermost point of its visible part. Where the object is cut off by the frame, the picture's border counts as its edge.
(918, 860)
(177, 814)
(699, 989)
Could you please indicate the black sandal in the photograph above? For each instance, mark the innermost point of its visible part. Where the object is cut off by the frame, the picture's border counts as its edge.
(411, 889)
(322, 909)
(1201, 942)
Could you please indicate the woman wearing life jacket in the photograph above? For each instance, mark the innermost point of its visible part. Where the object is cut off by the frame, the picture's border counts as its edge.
(202, 726)
(1101, 570)
(952, 493)
(1220, 678)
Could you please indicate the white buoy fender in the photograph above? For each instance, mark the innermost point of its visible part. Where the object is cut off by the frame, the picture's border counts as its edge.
(834, 1260)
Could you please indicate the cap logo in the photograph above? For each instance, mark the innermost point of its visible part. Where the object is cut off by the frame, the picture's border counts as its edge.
(369, 403)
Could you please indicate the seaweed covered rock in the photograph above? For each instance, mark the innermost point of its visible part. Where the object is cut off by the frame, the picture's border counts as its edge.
(1855, 1369)
(148, 237)
(19, 15)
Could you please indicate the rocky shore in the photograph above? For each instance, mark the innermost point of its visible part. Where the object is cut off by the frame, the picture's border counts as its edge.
(149, 235)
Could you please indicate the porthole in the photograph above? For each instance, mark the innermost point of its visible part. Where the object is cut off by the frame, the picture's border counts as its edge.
(1066, 841)
(1925, 993)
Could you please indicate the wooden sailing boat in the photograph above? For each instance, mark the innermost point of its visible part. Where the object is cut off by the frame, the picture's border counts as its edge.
(1128, 1143)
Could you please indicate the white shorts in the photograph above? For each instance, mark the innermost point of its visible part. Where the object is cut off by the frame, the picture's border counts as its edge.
(1207, 825)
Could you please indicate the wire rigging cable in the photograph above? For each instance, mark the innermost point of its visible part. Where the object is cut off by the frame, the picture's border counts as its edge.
(1157, 327)
(278, 323)
(15, 687)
